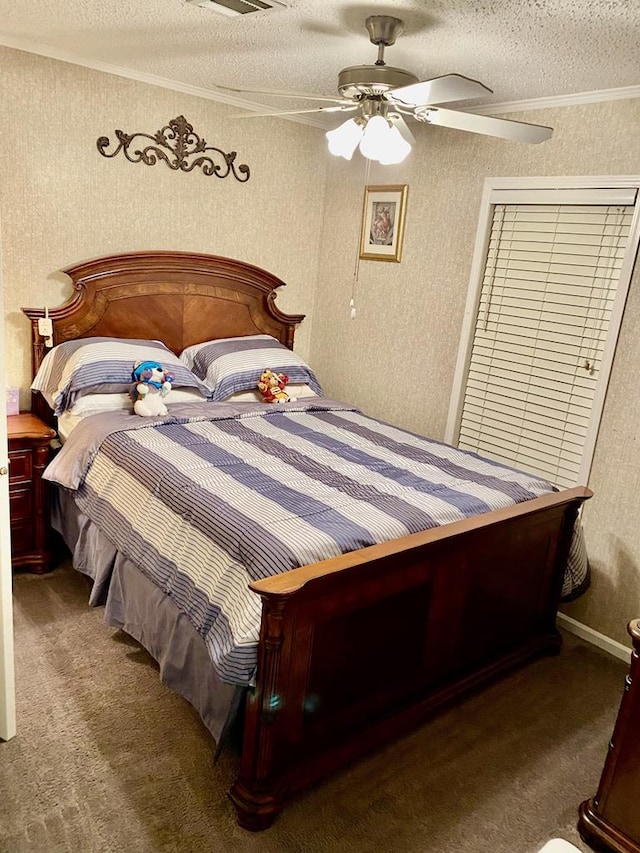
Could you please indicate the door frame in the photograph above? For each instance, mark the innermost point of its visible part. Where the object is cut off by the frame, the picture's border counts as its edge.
(491, 186)
(7, 667)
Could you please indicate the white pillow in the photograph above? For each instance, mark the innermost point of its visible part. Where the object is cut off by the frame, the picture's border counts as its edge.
(92, 404)
(184, 395)
(298, 391)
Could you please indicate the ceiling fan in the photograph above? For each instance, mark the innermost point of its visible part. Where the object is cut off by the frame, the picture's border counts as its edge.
(381, 96)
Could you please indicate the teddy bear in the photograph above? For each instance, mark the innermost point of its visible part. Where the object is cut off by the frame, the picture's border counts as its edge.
(272, 387)
(152, 384)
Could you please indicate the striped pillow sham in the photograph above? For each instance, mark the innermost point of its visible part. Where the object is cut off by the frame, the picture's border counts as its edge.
(229, 365)
(102, 365)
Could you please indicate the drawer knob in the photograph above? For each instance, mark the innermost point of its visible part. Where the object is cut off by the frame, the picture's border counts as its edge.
(3, 471)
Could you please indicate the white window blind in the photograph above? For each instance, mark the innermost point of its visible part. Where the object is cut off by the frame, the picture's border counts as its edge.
(548, 289)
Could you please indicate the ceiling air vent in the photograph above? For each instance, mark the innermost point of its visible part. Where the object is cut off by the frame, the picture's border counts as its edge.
(238, 8)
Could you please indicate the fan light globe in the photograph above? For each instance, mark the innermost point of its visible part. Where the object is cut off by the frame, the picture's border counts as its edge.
(344, 140)
(396, 149)
(375, 138)
(378, 140)
(383, 142)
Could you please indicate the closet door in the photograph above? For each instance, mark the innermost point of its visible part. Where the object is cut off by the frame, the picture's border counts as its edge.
(7, 675)
(548, 305)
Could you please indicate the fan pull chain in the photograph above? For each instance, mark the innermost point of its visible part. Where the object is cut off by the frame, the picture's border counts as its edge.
(356, 269)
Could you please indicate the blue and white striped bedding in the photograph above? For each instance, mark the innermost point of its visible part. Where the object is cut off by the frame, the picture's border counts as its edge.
(230, 365)
(103, 365)
(204, 503)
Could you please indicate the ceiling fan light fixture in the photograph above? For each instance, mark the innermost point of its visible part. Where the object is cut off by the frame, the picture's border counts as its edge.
(375, 138)
(344, 140)
(382, 95)
(396, 149)
(383, 142)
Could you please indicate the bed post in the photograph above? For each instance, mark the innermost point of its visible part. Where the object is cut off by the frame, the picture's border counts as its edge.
(257, 803)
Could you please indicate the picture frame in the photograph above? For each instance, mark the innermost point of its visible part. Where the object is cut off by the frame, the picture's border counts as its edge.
(383, 216)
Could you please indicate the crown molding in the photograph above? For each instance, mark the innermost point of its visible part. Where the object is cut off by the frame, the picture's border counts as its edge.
(596, 96)
(149, 79)
(572, 100)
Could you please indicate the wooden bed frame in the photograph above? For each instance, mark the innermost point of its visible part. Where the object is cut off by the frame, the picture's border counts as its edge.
(465, 602)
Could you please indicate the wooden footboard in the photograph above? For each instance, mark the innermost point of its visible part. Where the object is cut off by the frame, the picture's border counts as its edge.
(357, 649)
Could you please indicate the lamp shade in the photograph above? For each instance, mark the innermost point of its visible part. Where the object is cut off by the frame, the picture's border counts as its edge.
(344, 140)
(375, 137)
(396, 148)
(378, 139)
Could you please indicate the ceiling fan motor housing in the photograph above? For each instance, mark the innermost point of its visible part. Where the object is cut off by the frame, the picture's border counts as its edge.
(359, 81)
(383, 29)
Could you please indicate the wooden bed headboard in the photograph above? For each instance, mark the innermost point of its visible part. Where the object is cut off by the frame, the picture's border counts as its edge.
(179, 298)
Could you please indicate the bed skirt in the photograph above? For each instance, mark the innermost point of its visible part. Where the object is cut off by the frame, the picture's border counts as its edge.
(139, 608)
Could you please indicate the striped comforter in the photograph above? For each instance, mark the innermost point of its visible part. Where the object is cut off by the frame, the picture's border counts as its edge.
(217, 495)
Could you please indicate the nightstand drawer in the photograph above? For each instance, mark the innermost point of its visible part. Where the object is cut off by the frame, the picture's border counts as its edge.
(20, 504)
(20, 466)
(21, 538)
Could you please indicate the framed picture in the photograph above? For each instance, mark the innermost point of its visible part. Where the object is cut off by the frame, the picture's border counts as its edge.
(383, 223)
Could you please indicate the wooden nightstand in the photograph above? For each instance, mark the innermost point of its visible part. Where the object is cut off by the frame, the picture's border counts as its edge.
(611, 819)
(29, 453)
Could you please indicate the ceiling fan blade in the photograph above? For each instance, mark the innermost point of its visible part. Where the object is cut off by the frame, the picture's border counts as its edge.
(403, 128)
(516, 131)
(337, 109)
(283, 93)
(440, 90)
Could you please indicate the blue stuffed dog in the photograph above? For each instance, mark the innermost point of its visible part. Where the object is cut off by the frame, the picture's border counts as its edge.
(152, 384)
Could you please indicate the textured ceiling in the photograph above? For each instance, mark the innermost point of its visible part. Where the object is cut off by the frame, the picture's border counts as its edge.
(521, 49)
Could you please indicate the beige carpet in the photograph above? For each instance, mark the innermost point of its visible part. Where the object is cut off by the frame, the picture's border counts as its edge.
(107, 759)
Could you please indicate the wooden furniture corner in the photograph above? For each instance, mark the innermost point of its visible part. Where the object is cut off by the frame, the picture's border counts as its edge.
(29, 452)
(611, 819)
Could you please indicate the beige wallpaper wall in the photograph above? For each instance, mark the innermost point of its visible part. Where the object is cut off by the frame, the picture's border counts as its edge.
(397, 358)
(61, 202)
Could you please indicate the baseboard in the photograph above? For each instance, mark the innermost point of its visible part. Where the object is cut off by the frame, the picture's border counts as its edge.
(613, 647)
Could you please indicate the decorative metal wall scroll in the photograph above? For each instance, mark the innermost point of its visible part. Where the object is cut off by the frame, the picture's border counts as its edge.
(186, 150)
